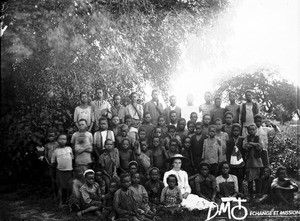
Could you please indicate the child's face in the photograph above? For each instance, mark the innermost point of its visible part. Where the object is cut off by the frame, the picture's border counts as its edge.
(181, 125)
(142, 135)
(82, 126)
(126, 182)
(206, 120)
(204, 171)
(155, 142)
(103, 125)
(248, 96)
(113, 187)
(84, 98)
(191, 128)
(154, 175)
(128, 122)
(251, 130)
(187, 143)
(51, 136)
(99, 94)
(258, 123)
(225, 169)
(218, 125)
(144, 145)
(133, 169)
(267, 172)
(281, 174)
(207, 97)
(212, 132)
(173, 117)
(147, 118)
(173, 146)
(228, 119)
(78, 173)
(134, 98)
(232, 97)
(172, 132)
(62, 140)
(115, 120)
(117, 100)
(194, 117)
(158, 132)
(161, 121)
(136, 179)
(236, 132)
(90, 179)
(171, 182)
(98, 176)
(124, 132)
(125, 145)
(198, 129)
(172, 101)
(218, 102)
(109, 145)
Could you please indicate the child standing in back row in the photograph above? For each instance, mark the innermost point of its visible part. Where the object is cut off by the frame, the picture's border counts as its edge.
(233, 107)
(62, 159)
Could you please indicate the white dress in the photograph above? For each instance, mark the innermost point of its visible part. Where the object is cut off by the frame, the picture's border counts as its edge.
(192, 201)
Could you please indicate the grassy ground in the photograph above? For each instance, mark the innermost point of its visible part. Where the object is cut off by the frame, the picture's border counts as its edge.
(15, 206)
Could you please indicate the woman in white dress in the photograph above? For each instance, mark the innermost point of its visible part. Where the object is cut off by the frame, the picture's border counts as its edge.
(190, 201)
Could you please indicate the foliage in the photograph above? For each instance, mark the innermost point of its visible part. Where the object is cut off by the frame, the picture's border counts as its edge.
(53, 50)
(279, 99)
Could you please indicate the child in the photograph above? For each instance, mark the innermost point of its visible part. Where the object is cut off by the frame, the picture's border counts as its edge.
(101, 136)
(162, 125)
(181, 131)
(126, 154)
(62, 159)
(197, 141)
(171, 197)
(206, 186)
(50, 147)
(283, 188)
(124, 135)
(228, 123)
(174, 148)
(186, 152)
(82, 141)
(118, 109)
(206, 122)
(99, 178)
(115, 125)
(194, 117)
(91, 194)
(233, 107)
(173, 118)
(141, 195)
(154, 187)
(147, 125)
(132, 131)
(253, 146)
(235, 154)
(212, 150)
(191, 128)
(157, 132)
(170, 108)
(141, 134)
(144, 156)
(227, 184)
(264, 188)
(171, 134)
(84, 111)
(159, 154)
(217, 111)
(207, 106)
(154, 107)
(222, 136)
(110, 159)
(75, 202)
(264, 134)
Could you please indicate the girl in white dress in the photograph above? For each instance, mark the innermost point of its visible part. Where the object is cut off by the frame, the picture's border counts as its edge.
(190, 201)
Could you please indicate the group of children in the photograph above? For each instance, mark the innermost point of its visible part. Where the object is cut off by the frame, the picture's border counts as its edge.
(118, 169)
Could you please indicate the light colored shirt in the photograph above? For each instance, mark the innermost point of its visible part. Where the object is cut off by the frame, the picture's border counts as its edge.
(263, 133)
(82, 141)
(134, 111)
(63, 157)
(212, 151)
(83, 113)
(101, 136)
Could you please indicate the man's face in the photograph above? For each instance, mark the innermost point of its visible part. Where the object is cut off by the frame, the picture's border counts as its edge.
(248, 96)
(99, 94)
(172, 101)
(207, 97)
(218, 102)
(103, 125)
(84, 98)
(173, 117)
(148, 118)
(155, 95)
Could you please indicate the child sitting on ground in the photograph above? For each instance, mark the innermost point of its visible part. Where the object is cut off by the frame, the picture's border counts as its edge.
(264, 188)
(91, 194)
(171, 197)
(283, 188)
(62, 159)
(75, 201)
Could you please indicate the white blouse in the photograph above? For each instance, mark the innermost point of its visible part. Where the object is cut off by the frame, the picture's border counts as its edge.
(182, 177)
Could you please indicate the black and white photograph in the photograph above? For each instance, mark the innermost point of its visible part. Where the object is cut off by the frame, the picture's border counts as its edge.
(140, 110)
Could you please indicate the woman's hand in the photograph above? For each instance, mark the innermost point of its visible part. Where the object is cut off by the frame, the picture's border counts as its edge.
(185, 195)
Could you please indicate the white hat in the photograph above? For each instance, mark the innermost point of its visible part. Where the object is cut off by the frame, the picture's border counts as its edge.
(88, 171)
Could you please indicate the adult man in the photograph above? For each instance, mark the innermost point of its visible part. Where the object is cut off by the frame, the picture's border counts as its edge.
(187, 110)
(170, 108)
(154, 107)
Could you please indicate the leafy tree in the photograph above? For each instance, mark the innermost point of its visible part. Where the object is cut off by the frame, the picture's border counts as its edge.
(279, 98)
